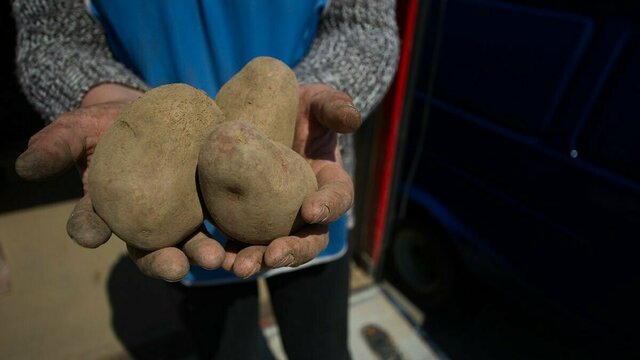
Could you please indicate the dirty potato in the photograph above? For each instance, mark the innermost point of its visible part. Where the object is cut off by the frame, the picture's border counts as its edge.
(253, 187)
(142, 175)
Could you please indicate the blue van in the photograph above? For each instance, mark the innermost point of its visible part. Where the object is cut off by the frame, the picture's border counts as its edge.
(521, 179)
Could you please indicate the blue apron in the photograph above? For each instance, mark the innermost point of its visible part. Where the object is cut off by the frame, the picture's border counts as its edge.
(204, 43)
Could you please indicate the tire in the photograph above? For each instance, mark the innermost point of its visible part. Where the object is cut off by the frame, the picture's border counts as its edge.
(422, 264)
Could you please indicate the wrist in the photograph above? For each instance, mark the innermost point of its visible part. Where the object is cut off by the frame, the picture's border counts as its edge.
(109, 92)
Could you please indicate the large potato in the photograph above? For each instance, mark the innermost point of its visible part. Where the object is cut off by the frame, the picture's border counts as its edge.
(253, 187)
(264, 94)
(142, 177)
(252, 183)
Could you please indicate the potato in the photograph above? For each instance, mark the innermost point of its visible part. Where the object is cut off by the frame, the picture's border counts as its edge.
(252, 183)
(253, 187)
(264, 94)
(142, 176)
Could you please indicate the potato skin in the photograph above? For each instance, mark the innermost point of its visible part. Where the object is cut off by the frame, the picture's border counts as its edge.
(253, 187)
(142, 176)
(264, 94)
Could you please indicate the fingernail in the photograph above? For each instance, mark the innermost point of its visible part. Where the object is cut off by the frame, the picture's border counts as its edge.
(349, 107)
(286, 261)
(31, 166)
(24, 164)
(254, 271)
(353, 108)
(351, 118)
(323, 215)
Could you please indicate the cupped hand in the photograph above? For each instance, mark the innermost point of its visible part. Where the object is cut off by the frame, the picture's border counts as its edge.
(323, 113)
(71, 140)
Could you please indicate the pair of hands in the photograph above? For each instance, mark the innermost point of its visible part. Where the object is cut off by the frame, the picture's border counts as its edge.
(323, 112)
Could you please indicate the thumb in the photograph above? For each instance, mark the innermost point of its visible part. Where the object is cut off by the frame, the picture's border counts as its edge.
(332, 108)
(44, 160)
(53, 149)
(65, 141)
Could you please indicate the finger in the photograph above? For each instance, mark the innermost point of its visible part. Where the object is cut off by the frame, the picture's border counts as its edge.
(85, 227)
(229, 260)
(334, 109)
(168, 264)
(248, 261)
(232, 248)
(297, 249)
(60, 144)
(204, 251)
(46, 158)
(333, 198)
(52, 150)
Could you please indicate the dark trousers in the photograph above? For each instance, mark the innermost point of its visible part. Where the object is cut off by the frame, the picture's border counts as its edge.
(310, 306)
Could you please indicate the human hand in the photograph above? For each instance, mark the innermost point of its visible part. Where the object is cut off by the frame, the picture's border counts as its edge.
(323, 113)
(71, 139)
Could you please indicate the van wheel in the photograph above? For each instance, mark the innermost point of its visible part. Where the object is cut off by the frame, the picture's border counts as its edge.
(424, 263)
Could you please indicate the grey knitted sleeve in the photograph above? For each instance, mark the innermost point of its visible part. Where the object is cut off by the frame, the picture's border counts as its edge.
(356, 50)
(61, 53)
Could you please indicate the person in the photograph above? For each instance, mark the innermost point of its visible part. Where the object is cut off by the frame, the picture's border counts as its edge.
(80, 66)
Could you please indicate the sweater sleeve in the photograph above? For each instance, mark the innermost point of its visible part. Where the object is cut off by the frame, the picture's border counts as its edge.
(62, 53)
(355, 50)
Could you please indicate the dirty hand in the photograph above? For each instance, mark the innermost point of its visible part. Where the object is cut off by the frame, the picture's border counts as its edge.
(323, 113)
(71, 139)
